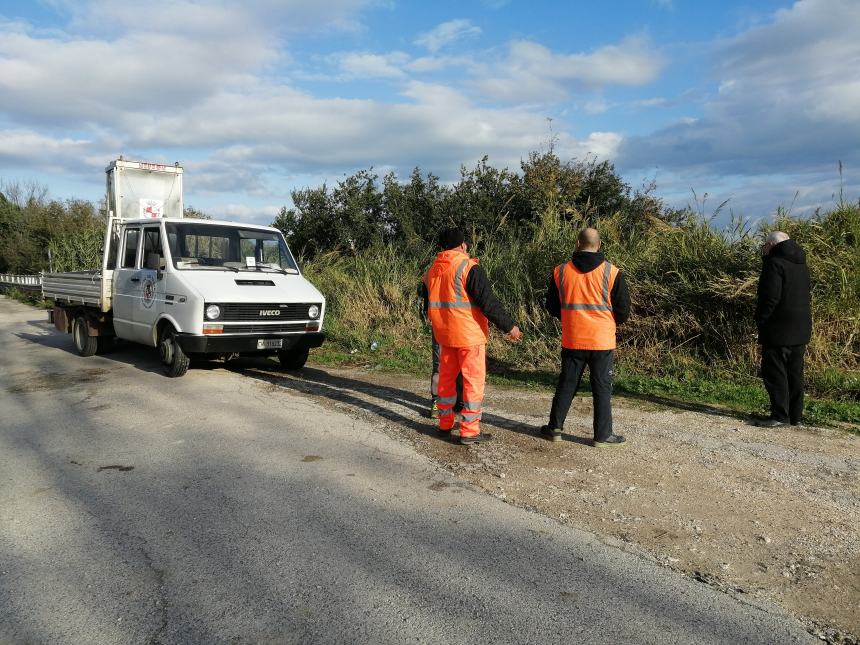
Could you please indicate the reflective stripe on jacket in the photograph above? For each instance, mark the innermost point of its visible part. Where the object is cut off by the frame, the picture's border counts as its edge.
(456, 320)
(586, 309)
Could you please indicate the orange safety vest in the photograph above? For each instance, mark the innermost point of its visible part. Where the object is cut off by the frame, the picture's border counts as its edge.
(456, 320)
(586, 312)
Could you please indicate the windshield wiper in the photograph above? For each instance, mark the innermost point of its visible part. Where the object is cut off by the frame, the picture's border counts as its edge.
(271, 268)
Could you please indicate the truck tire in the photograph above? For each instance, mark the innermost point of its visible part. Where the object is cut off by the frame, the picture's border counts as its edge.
(84, 343)
(174, 361)
(293, 359)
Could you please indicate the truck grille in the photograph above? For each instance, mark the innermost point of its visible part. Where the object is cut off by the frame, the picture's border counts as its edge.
(244, 311)
(264, 329)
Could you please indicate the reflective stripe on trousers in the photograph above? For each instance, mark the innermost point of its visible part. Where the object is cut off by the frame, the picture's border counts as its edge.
(472, 363)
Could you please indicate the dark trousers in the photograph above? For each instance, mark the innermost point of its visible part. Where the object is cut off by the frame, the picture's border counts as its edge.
(573, 363)
(782, 373)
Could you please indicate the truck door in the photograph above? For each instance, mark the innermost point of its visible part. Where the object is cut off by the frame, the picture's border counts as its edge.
(150, 305)
(126, 284)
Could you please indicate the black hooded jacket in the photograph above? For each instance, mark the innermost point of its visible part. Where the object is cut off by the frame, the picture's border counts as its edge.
(783, 313)
(587, 261)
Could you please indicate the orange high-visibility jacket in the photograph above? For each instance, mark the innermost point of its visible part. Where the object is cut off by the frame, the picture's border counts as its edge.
(456, 320)
(586, 311)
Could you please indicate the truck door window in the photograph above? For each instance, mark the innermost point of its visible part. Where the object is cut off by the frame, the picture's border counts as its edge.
(130, 248)
(152, 243)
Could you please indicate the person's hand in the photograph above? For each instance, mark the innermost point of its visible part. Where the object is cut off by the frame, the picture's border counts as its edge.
(514, 335)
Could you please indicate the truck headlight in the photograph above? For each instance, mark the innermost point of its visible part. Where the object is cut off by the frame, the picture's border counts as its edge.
(213, 312)
(313, 312)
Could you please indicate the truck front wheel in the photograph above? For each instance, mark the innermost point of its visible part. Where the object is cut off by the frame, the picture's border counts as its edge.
(174, 361)
(84, 343)
(293, 359)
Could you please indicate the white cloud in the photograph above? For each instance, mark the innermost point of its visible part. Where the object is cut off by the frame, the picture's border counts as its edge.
(425, 64)
(29, 148)
(214, 17)
(532, 71)
(657, 101)
(789, 97)
(136, 84)
(447, 33)
(243, 213)
(367, 65)
(153, 57)
(68, 79)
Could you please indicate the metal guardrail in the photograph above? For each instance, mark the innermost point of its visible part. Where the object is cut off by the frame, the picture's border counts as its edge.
(23, 282)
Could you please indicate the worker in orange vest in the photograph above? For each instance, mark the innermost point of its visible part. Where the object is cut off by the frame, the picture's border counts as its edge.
(460, 303)
(436, 349)
(590, 297)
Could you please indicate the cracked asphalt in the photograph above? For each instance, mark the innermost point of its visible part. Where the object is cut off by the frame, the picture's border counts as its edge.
(217, 508)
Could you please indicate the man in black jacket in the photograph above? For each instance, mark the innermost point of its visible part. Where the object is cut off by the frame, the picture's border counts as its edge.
(783, 316)
(588, 333)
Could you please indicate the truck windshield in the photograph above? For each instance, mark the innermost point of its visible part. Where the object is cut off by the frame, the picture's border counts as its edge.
(208, 246)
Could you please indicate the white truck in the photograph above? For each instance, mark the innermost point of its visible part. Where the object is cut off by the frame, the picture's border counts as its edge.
(190, 287)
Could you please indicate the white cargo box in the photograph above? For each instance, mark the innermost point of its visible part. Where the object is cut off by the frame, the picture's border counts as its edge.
(139, 189)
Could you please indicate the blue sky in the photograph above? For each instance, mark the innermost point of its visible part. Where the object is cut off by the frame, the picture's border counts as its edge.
(754, 102)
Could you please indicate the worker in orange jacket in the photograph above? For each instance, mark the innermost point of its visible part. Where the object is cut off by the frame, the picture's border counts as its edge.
(460, 302)
(436, 349)
(590, 296)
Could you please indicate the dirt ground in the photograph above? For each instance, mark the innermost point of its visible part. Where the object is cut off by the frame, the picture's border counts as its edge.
(768, 513)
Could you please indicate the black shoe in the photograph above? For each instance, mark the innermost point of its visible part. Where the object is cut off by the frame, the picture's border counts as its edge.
(553, 434)
(478, 438)
(611, 441)
(770, 422)
(444, 433)
(797, 423)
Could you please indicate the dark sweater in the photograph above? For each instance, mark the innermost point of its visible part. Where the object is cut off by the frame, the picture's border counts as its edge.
(588, 261)
(481, 293)
(783, 312)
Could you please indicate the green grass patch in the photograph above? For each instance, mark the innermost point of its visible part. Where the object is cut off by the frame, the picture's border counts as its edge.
(33, 298)
(690, 388)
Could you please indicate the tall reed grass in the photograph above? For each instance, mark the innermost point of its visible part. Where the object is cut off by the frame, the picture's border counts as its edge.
(693, 288)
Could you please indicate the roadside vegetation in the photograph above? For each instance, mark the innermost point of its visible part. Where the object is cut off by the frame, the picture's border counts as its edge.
(367, 240)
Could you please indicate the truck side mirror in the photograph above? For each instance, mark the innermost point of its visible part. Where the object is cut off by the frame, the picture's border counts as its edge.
(155, 262)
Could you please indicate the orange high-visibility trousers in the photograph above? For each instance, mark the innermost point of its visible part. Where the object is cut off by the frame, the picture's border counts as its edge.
(471, 362)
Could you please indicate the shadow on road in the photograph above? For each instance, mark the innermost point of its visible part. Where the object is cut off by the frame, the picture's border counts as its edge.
(139, 356)
(318, 382)
(146, 359)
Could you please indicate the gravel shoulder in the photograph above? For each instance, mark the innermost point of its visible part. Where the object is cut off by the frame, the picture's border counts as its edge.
(766, 513)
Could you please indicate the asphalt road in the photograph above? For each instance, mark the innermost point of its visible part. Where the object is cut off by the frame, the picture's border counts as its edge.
(216, 508)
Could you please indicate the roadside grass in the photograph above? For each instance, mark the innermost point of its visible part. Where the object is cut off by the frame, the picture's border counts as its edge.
(31, 298)
(706, 389)
(688, 384)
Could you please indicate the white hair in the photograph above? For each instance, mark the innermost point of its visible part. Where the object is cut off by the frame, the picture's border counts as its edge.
(776, 237)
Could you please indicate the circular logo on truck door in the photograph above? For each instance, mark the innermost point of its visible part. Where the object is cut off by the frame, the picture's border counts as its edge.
(148, 287)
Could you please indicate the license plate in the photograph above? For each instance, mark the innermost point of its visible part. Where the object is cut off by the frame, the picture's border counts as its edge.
(270, 343)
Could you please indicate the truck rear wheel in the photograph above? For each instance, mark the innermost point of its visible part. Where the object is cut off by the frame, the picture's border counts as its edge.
(84, 343)
(174, 361)
(293, 359)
